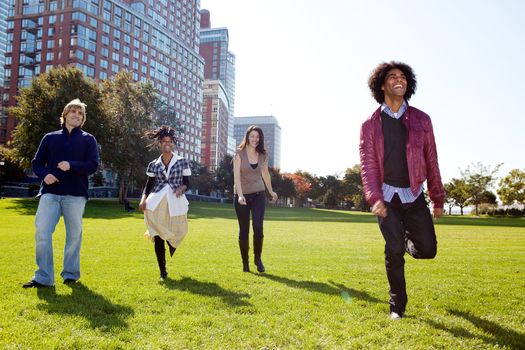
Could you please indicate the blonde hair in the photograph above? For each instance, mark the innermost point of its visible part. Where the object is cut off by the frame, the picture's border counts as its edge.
(74, 104)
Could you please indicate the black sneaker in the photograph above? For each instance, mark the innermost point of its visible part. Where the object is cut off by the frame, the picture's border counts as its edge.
(69, 281)
(33, 284)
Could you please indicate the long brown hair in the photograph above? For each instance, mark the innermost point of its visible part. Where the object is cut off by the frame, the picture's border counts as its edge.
(260, 147)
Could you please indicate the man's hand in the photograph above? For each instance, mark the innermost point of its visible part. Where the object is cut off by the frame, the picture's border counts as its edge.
(50, 179)
(274, 197)
(242, 200)
(438, 212)
(379, 209)
(142, 205)
(64, 165)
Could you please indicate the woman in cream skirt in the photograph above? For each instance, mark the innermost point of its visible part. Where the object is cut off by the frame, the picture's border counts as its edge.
(163, 201)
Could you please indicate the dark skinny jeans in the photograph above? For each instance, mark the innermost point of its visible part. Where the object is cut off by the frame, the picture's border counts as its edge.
(255, 203)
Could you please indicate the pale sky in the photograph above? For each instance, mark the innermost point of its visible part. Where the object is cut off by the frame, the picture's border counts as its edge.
(307, 63)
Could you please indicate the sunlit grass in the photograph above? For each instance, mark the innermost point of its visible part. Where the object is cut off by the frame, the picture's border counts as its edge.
(325, 285)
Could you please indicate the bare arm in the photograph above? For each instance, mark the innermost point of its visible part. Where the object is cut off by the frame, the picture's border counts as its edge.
(237, 178)
(267, 181)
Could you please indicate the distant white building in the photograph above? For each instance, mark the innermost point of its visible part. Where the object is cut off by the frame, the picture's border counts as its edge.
(272, 135)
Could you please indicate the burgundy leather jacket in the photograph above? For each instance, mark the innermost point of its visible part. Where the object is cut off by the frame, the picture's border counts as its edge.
(421, 153)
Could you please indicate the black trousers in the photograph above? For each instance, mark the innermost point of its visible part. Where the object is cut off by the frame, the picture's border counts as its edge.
(407, 227)
(255, 204)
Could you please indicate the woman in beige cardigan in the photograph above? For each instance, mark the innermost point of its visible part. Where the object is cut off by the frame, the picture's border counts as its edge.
(250, 169)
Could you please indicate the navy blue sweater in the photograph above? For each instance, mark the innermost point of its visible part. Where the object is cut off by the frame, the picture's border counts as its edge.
(79, 148)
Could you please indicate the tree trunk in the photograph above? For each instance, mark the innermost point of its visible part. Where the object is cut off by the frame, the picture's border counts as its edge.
(123, 189)
(461, 209)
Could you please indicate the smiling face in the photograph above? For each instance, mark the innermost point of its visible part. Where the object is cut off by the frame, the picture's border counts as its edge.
(166, 144)
(253, 138)
(74, 118)
(395, 85)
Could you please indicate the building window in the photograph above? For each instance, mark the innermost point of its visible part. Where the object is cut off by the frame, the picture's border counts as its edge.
(78, 16)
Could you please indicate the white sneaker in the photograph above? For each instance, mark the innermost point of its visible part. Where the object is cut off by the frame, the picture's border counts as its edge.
(394, 316)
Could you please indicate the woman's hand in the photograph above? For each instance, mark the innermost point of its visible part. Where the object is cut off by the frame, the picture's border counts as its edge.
(180, 191)
(274, 196)
(142, 204)
(242, 200)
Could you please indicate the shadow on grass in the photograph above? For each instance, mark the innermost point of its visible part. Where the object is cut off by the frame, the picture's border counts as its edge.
(207, 289)
(499, 335)
(361, 295)
(100, 312)
(325, 288)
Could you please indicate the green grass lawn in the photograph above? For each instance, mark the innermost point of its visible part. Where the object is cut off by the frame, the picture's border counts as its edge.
(325, 285)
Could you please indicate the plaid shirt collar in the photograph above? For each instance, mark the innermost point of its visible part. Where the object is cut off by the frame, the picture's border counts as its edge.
(159, 163)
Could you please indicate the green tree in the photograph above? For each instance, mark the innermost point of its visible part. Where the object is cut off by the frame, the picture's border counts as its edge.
(201, 178)
(224, 176)
(9, 171)
(479, 178)
(315, 192)
(458, 193)
(512, 187)
(40, 106)
(283, 186)
(353, 188)
(330, 198)
(130, 108)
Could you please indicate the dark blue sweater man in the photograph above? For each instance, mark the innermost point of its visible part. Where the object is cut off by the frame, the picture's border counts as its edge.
(63, 161)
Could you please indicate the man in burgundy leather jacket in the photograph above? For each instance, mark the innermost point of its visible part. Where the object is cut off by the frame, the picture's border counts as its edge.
(398, 153)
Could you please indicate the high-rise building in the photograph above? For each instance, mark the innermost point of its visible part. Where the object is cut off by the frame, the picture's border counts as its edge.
(157, 41)
(215, 123)
(4, 10)
(219, 65)
(272, 135)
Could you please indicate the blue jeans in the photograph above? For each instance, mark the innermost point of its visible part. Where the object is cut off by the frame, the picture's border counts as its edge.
(50, 208)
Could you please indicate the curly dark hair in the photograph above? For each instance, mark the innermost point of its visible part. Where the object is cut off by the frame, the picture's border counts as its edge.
(260, 147)
(161, 132)
(378, 76)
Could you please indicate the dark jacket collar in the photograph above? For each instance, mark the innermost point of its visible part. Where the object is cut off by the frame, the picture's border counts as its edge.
(74, 131)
